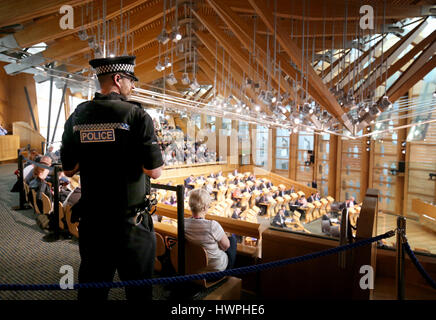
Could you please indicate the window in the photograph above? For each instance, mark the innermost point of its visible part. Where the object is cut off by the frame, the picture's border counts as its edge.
(227, 127)
(282, 149)
(211, 120)
(244, 138)
(261, 146)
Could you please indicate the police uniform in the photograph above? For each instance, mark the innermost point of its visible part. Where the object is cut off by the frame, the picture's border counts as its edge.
(112, 140)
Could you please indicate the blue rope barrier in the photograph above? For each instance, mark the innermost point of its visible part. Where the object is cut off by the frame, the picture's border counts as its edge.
(207, 276)
(39, 164)
(418, 266)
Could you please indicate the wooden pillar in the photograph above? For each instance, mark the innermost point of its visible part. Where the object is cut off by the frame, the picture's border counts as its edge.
(338, 171)
(252, 133)
(316, 142)
(400, 183)
(333, 164)
(364, 170)
(293, 156)
(274, 149)
(67, 106)
(203, 121)
(218, 127)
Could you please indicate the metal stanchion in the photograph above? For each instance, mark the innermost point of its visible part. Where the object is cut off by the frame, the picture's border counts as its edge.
(181, 228)
(21, 173)
(401, 237)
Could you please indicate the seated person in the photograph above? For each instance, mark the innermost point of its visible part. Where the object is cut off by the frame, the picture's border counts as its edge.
(350, 202)
(39, 184)
(189, 180)
(282, 190)
(287, 212)
(221, 250)
(236, 194)
(279, 219)
(76, 192)
(311, 198)
(317, 197)
(236, 213)
(64, 187)
(51, 154)
(292, 190)
(302, 202)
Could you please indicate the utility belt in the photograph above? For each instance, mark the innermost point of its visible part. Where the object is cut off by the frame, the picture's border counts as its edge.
(136, 215)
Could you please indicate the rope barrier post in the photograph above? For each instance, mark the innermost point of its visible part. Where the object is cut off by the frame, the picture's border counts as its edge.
(56, 171)
(181, 228)
(401, 231)
(21, 178)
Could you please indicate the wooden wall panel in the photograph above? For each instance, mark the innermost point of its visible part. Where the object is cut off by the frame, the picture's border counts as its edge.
(8, 147)
(28, 135)
(4, 99)
(13, 102)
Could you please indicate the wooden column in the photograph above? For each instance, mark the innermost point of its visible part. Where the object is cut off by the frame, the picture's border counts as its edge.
(333, 164)
(338, 171)
(218, 127)
(293, 156)
(274, 146)
(67, 106)
(252, 133)
(364, 170)
(400, 183)
(316, 141)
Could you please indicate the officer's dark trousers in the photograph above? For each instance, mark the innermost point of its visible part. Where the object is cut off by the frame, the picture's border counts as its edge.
(106, 247)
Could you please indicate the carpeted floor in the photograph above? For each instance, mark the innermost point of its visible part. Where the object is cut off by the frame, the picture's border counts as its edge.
(25, 258)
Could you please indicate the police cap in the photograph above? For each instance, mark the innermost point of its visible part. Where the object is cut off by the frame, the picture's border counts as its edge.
(122, 64)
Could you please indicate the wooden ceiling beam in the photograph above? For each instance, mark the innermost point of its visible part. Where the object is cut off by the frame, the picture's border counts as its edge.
(231, 46)
(144, 68)
(45, 30)
(317, 29)
(241, 30)
(19, 11)
(424, 64)
(294, 53)
(234, 70)
(356, 64)
(209, 71)
(404, 59)
(372, 71)
(330, 10)
(69, 46)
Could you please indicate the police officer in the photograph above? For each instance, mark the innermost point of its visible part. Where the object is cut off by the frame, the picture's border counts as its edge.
(112, 143)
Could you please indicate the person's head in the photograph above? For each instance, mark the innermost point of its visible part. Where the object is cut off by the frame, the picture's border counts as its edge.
(199, 201)
(115, 74)
(50, 148)
(33, 154)
(282, 212)
(40, 172)
(116, 82)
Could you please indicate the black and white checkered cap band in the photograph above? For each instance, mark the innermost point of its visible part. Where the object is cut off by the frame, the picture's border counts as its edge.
(101, 126)
(111, 68)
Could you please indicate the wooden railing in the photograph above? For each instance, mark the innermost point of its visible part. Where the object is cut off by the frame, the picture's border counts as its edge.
(277, 179)
(8, 147)
(177, 174)
(322, 277)
(238, 227)
(427, 213)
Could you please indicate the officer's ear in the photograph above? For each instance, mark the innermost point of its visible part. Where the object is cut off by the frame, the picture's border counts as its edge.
(117, 78)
